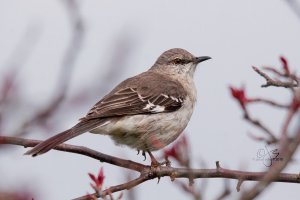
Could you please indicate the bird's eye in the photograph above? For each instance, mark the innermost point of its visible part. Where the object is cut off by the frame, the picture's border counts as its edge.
(177, 61)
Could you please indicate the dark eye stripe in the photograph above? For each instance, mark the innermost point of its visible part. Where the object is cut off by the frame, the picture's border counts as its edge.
(178, 61)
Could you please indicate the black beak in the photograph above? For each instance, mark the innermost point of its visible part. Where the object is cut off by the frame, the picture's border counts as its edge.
(201, 59)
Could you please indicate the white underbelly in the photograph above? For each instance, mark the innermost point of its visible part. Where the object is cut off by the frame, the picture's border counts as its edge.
(148, 132)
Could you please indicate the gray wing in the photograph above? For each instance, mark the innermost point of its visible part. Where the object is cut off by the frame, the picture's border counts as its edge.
(144, 94)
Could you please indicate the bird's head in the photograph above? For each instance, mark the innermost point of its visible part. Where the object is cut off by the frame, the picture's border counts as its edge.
(177, 62)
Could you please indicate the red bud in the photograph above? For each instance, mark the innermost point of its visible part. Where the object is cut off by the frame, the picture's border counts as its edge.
(239, 95)
(285, 65)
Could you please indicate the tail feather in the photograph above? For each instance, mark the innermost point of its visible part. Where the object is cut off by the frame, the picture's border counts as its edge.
(78, 129)
(51, 143)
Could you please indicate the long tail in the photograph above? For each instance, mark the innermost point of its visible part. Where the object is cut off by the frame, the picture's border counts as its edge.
(78, 129)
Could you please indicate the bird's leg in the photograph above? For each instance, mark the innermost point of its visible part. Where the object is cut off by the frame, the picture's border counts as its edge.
(154, 162)
(144, 154)
(167, 162)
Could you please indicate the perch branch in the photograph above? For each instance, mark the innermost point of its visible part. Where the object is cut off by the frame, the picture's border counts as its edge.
(148, 173)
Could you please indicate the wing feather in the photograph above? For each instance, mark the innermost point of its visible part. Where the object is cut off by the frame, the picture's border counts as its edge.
(144, 94)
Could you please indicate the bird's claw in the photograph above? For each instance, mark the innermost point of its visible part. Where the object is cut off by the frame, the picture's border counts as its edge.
(144, 154)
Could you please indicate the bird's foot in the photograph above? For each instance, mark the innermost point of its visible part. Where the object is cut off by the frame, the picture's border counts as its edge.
(167, 162)
(143, 154)
(154, 162)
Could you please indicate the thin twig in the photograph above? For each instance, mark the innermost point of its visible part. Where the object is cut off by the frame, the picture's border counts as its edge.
(272, 138)
(284, 133)
(269, 102)
(294, 5)
(281, 74)
(276, 83)
(275, 71)
(16, 60)
(226, 192)
(190, 189)
(239, 184)
(125, 186)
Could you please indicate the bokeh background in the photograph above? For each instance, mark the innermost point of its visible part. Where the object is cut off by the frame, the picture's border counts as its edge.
(74, 52)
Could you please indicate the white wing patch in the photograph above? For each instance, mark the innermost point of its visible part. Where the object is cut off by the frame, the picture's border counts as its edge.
(174, 98)
(149, 106)
(154, 108)
(158, 109)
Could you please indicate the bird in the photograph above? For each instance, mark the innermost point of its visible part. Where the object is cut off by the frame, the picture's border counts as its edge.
(145, 112)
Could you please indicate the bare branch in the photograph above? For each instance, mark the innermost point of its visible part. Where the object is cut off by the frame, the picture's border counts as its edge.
(78, 150)
(269, 102)
(190, 189)
(288, 149)
(226, 192)
(281, 74)
(239, 184)
(239, 94)
(276, 83)
(272, 138)
(16, 60)
(125, 186)
(294, 5)
(148, 172)
(288, 146)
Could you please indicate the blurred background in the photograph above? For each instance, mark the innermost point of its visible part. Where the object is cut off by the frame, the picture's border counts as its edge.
(59, 57)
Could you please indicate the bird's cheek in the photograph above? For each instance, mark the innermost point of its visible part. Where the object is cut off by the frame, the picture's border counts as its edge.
(192, 70)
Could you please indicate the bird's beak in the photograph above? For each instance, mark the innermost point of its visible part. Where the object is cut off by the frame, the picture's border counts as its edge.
(200, 59)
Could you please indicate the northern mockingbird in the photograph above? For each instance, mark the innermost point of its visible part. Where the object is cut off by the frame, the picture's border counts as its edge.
(145, 112)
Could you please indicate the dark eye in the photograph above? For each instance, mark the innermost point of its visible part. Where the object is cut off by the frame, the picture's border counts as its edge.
(177, 61)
